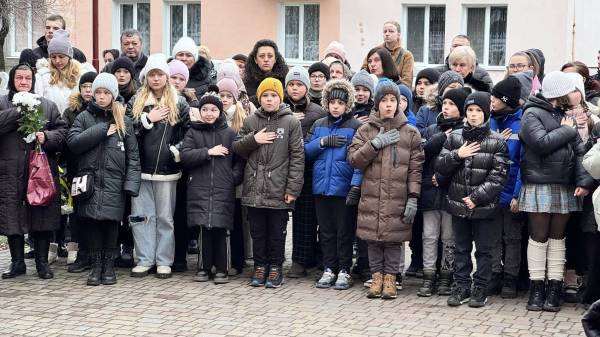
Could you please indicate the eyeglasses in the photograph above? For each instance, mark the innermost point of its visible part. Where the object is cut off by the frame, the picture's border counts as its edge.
(86, 86)
(317, 77)
(518, 67)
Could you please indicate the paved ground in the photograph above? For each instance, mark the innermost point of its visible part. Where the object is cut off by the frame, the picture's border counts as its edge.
(179, 306)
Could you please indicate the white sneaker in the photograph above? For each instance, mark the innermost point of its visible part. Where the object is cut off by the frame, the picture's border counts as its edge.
(72, 252)
(140, 271)
(53, 253)
(367, 283)
(163, 272)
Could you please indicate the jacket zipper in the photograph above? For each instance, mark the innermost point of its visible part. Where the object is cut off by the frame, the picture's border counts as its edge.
(159, 149)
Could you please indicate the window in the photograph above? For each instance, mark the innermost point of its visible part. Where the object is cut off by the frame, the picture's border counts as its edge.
(136, 15)
(299, 35)
(184, 20)
(424, 33)
(25, 29)
(486, 26)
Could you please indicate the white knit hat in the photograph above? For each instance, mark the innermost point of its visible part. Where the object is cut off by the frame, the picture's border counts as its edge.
(186, 44)
(558, 84)
(155, 61)
(107, 81)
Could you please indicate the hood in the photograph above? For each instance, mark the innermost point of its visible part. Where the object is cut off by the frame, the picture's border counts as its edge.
(284, 109)
(526, 80)
(338, 84)
(538, 101)
(200, 71)
(393, 123)
(12, 90)
(539, 55)
(42, 43)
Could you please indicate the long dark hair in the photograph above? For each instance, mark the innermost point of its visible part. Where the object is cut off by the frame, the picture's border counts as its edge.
(253, 72)
(588, 82)
(387, 63)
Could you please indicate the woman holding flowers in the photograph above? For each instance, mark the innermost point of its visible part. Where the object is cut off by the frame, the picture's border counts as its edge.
(20, 130)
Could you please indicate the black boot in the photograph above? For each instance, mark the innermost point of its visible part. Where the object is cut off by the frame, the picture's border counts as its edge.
(553, 298)
(509, 287)
(82, 262)
(42, 244)
(537, 296)
(16, 244)
(445, 284)
(95, 275)
(108, 268)
(427, 288)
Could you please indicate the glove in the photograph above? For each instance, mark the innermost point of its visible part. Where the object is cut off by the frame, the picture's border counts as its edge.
(333, 141)
(410, 211)
(353, 196)
(384, 139)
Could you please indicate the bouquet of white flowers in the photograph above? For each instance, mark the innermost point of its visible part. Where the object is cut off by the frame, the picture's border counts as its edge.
(33, 119)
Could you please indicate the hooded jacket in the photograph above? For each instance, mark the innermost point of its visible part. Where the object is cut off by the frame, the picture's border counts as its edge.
(200, 76)
(511, 121)
(272, 170)
(390, 176)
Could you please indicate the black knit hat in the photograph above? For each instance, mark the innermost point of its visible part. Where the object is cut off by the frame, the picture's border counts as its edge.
(458, 96)
(430, 74)
(508, 91)
(211, 98)
(482, 100)
(88, 77)
(319, 66)
(122, 62)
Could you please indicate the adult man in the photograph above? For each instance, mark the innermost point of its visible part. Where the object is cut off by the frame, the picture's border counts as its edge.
(479, 73)
(131, 46)
(53, 23)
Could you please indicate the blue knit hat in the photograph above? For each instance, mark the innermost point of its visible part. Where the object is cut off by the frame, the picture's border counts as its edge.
(405, 91)
(385, 87)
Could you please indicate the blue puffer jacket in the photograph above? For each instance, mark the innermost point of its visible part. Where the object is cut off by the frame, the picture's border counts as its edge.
(426, 116)
(332, 175)
(512, 121)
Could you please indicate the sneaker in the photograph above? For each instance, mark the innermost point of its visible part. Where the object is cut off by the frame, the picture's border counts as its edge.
(399, 281)
(53, 253)
(258, 277)
(326, 280)
(296, 271)
(478, 297)
(233, 272)
(367, 283)
(344, 280)
(221, 278)
(275, 279)
(201, 276)
(140, 271)
(163, 272)
(459, 296)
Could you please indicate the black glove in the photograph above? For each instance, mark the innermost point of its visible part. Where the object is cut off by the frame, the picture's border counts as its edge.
(353, 196)
(333, 141)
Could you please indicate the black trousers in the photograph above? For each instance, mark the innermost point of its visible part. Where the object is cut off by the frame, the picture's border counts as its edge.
(304, 226)
(592, 290)
(336, 234)
(268, 228)
(484, 232)
(102, 234)
(181, 230)
(236, 237)
(215, 250)
(575, 254)
(125, 236)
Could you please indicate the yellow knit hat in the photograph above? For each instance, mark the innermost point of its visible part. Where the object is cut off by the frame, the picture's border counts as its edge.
(270, 83)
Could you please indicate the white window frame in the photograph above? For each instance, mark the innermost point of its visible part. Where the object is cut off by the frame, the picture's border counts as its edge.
(281, 33)
(486, 33)
(167, 27)
(425, 31)
(12, 52)
(116, 14)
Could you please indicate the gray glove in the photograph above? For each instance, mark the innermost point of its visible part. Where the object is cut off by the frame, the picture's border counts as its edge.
(353, 196)
(333, 141)
(384, 139)
(410, 211)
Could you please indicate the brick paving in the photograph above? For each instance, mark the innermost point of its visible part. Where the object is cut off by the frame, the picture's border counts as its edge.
(65, 306)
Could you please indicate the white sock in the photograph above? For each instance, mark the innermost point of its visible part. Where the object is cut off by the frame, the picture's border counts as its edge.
(536, 259)
(556, 259)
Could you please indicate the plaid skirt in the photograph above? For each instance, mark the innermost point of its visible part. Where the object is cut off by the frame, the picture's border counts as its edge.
(549, 198)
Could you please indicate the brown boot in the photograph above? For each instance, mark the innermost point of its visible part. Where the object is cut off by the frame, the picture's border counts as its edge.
(389, 287)
(376, 286)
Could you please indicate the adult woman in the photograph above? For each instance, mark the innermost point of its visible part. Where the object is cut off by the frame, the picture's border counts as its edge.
(381, 64)
(463, 60)
(263, 61)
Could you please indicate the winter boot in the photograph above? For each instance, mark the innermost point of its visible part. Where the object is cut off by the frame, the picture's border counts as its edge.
(427, 287)
(95, 275)
(553, 297)
(108, 268)
(16, 244)
(509, 287)
(376, 286)
(42, 244)
(82, 262)
(445, 284)
(389, 287)
(537, 295)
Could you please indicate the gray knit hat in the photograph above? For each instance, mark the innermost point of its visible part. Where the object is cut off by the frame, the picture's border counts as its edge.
(298, 73)
(107, 81)
(363, 79)
(60, 44)
(448, 78)
(558, 84)
(385, 87)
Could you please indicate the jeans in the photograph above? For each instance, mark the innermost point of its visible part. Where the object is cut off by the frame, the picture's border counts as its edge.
(152, 223)
(386, 257)
(507, 249)
(336, 234)
(268, 228)
(437, 225)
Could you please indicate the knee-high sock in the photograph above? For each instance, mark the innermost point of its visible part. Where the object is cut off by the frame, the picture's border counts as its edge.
(556, 259)
(536, 259)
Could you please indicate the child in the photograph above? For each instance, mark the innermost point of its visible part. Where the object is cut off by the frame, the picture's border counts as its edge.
(388, 152)
(103, 131)
(327, 146)
(406, 104)
(213, 174)
(319, 75)
(364, 90)
(427, 114)
(271, 141)
(437, 223)
(160, 116)
(475, 159)
(425, 78)
(123, 69)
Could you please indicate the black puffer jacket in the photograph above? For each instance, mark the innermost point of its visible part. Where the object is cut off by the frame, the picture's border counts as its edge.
(212, 179)
(363, 110)
(113, 160)
(200, 76)
(42, 50)
(311, 111)
(552, 154)
(480, 177)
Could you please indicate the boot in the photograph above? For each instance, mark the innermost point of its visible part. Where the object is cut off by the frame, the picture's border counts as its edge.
(389, 287)
(108, 268)
(537, 296)
(126, 258)
(509, 287)
(16, 244)
(376, 286)
(82, 262)
(553, 297)
(445, 284)
(42, 245)
(427, 288)
(95, 275)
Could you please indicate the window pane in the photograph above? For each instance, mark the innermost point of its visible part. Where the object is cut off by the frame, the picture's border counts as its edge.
(497, 36)
(311, 32)
(143, 25)
(437, 29)
(193, 22)
(292, 18)
(21, 29)
(176, 24)
(126, 17)
(415, 32)
(39, 26)
(476, 30)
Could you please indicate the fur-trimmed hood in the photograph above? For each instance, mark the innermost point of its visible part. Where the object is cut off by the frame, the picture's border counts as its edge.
(338, 84)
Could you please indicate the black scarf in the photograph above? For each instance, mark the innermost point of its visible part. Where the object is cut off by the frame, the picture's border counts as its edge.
(502, 114)
(476, 133)
(450, 123)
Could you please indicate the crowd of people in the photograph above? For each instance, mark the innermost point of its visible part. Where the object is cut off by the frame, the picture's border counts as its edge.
(170, 155)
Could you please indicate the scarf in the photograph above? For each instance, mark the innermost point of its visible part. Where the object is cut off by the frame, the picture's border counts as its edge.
(582, 124)
(476, 133)
(450, 123)
(502, 114)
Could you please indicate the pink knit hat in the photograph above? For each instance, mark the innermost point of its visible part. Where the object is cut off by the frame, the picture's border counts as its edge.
(177, 67)
(228, 84)
(337, 48)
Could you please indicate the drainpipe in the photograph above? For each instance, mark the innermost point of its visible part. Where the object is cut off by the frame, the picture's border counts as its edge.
(95, 61)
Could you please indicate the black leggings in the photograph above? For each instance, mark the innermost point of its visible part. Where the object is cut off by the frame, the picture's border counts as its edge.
(102, 234)
(547, 225)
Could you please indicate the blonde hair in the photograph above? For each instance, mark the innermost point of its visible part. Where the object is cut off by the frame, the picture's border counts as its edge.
(237, 121)
(463, 52)
(169, 99)
(68, 77)
(74, 101)
(118, 111)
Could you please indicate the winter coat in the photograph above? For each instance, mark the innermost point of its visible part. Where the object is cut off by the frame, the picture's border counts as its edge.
(212, 179)
(361, 110)
(552, 154)
(512, 121)
(479, 79)
(311, 111)
(591, 163)
(41, 51)
(157, 160)
(68, 159)
(480, 177)
(426, 116)
(404, 62)
(272, 170)
(200, 77)
(390, 176)
(17, 217)
(113, 160)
